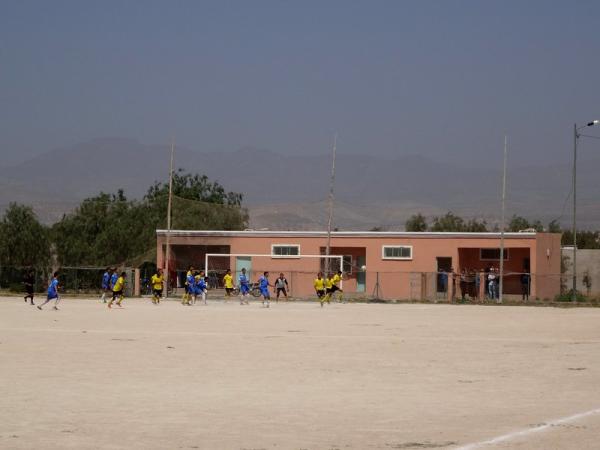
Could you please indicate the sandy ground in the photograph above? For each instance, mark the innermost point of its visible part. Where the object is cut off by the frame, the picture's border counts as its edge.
(296, 376)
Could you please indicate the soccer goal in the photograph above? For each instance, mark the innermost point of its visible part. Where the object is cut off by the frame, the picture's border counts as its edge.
(299, 270)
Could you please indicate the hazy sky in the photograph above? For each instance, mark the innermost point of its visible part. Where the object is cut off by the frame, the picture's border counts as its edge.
(443, 79)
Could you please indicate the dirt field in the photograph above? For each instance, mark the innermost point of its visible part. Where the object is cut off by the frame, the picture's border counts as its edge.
(296, 376)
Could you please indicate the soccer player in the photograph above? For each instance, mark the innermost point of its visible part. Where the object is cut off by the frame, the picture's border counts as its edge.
(244, 287)
(29, 281)
(319, 285)
(263, 284)
(118, 290)
(52, 292)
(336, 282)
(106, 283)
(157, 281)
(113, 279)
(188, 286)
(201, 285)
(281, 287)
(328, 288)
(228, 282)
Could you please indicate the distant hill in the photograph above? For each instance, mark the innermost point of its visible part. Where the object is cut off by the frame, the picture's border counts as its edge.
(289, 191)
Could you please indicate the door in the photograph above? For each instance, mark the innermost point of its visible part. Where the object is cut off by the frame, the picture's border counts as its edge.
(361, 275)
(444, 266)
(243, 262)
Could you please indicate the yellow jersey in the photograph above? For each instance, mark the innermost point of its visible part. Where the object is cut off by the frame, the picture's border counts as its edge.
(157, 282)
(119, 285)
(328, 283)
(319, 284)
(228, 281)
(187, 276)
(336, 279)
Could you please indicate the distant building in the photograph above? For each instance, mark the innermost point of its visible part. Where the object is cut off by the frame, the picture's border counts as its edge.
(400, 265)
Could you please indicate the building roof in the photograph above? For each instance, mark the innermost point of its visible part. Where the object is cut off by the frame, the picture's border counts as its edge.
(338, 234)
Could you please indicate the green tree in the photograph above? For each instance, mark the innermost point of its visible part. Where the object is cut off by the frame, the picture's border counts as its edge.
(416, 222)
(554, 227)
(518, 223)
(585, 239)
(110, 229)
(474, 226)
(24, 241)
(448, 222)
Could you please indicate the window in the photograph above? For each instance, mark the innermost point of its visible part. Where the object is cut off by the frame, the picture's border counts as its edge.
(335, 264)
(492, 254)
(397, 252)
(285, 251)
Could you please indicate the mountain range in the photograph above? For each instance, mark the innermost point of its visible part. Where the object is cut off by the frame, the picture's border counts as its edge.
(290, 191)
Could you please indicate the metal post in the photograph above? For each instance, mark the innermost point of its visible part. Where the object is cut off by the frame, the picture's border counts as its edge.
(330, 219)
(501, 280)
(575, 136)
(168, 243)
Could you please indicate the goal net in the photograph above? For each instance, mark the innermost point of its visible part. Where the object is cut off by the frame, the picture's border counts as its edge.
(299, 271)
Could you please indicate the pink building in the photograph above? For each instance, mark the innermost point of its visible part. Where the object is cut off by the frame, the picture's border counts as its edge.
(389, 265)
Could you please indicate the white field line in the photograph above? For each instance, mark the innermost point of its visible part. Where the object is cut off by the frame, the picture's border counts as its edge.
(537, 429)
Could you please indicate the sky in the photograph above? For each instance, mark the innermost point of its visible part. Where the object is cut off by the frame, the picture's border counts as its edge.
(442, 79)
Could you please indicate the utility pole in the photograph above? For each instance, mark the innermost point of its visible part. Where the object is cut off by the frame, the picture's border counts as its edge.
(331, 199)
(501, 284)
(574, 292)
(169, 205)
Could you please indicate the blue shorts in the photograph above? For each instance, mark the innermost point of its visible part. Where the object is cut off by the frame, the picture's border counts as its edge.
(265, 293)
(244, 289)
(52, 296)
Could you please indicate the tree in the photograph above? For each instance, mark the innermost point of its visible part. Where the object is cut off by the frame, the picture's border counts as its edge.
(474, 226)
(416, 222)
(24, 241)
(110, 229)
(448, 222)
(518, 223)
(554, 227)
(585, 239)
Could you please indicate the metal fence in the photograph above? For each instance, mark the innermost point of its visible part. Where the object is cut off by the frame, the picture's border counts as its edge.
(72, 280)
(358, 286)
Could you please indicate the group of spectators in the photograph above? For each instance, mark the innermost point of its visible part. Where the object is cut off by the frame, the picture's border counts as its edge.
(469, 282)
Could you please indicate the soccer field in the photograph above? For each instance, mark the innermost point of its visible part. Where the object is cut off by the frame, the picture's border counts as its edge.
(295, 376)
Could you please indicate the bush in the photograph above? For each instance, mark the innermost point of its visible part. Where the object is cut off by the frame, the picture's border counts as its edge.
(568, 296)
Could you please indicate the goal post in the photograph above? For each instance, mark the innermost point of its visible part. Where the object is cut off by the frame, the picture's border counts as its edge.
(295, 267)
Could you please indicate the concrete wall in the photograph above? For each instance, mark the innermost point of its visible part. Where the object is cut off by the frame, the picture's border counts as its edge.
(588, 263)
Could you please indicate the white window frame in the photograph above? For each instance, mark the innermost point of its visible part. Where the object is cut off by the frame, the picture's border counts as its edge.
(397, 258)
(506, 254)
(273, 255)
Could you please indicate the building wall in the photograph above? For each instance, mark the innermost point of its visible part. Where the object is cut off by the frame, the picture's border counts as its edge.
(588, 264)
(397, 278)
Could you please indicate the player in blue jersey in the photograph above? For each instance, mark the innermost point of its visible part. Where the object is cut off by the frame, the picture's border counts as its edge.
(189, 287)
(244, 283)
(263, 284)
(106, 283)
(202, 286)
(52, 292)
(113, 279)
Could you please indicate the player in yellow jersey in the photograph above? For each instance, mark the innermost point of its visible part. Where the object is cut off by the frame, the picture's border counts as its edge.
(328, 288)
(157, 281)
(228, 283)
(118, 290)
(188, 286)
(337, 278)
(319, 285)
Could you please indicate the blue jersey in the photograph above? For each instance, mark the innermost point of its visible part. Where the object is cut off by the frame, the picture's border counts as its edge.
(53, 288)
(113, 280)
(243, 280)
(106, 280)
(263, 282)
